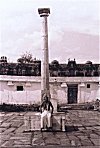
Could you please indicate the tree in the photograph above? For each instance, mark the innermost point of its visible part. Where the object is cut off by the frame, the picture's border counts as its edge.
(25, 58)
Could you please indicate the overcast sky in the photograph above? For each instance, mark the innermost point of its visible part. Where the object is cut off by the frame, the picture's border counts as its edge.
(73, 29)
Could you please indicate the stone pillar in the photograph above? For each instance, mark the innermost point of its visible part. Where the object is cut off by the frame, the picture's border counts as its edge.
(44, 13)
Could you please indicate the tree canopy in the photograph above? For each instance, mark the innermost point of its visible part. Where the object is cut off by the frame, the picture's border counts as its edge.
(25, 58)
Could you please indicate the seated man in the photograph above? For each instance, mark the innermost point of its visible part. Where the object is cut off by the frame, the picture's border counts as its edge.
(46, 110)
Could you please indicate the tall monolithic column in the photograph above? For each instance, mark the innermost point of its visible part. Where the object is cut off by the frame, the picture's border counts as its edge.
(44, 13)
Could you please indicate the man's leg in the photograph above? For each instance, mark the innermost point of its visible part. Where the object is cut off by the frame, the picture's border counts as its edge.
(42, 118)
(49, 119)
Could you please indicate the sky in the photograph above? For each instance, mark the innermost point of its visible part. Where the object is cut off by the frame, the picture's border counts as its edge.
(73, 29)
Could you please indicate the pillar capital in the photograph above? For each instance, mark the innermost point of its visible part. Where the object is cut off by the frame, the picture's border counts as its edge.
(44, 12)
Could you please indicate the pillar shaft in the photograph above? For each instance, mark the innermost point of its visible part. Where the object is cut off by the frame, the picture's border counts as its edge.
(45, 58)
(44, 13)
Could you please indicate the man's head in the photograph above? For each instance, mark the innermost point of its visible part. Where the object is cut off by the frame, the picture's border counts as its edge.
(46, 98)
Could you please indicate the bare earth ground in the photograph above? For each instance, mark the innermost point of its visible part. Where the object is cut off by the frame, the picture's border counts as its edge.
(82, 131)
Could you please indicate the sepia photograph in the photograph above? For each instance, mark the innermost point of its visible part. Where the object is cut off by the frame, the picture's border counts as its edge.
(49, 74)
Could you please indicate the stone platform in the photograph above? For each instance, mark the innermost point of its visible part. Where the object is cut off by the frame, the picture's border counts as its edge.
(82, 131)
(32, 121)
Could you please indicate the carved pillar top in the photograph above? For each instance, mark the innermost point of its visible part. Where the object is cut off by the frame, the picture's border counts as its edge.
(44, 11)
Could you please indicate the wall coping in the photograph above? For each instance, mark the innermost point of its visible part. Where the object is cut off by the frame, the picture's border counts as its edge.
(51, 79)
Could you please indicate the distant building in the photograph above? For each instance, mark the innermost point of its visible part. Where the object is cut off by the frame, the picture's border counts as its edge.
(20, 69)
(69, 83)
(72, 69)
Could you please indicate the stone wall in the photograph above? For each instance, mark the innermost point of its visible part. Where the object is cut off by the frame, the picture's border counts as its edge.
(32, 89)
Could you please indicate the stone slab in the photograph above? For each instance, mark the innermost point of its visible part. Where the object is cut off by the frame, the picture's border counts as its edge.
(9, 130)
(5, 125)
(96, 142)
(54, 141)
(37, 141)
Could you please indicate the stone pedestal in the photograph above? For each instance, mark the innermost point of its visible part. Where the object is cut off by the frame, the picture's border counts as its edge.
(32, 121)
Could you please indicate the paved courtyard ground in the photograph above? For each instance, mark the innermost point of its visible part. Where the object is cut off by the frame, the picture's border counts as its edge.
(82, 131)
